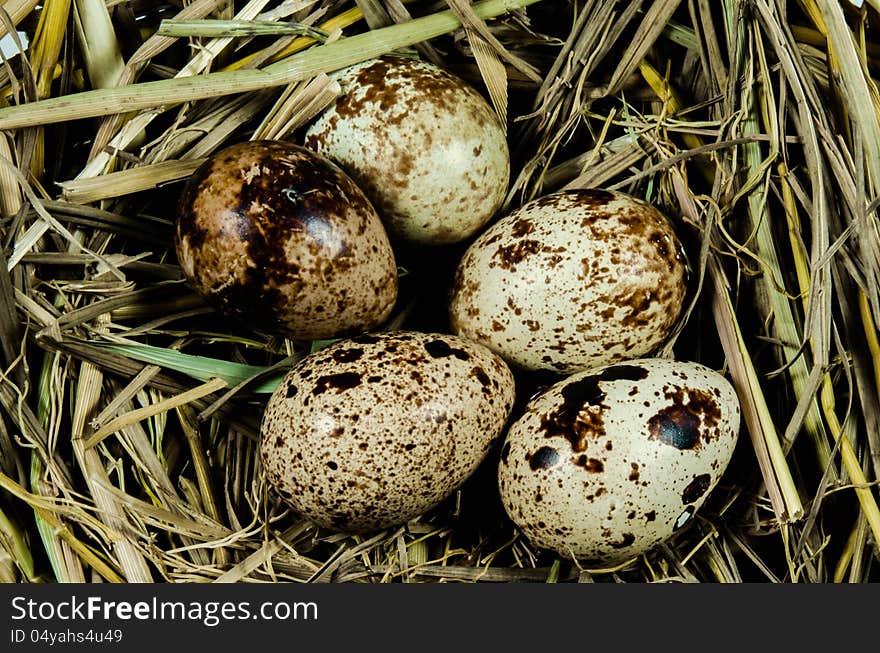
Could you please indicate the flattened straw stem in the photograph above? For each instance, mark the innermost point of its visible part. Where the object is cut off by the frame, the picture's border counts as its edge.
(851, 461)
(18, 10)
(17, 548)
(134, 386)
(130, 558)
(190, 426)
(320, 59)
(744, 377)
(209, 28)
(138, 414)
(125, 182)
(48, 41)
(101, 51)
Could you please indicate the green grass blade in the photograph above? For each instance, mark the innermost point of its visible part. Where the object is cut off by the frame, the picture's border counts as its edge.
(197, 367)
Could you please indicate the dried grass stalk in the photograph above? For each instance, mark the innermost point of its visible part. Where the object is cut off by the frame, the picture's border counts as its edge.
(322, 59)
(103, 57)
(242, 27)
(493, 72)
(126, 182)
(297, 105)
(10, 193)
(17, 10)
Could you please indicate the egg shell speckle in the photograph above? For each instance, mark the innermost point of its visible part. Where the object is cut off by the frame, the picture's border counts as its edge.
(608, 463)
(282, 238)
(427, 149)
(570, 281)
(375, 430)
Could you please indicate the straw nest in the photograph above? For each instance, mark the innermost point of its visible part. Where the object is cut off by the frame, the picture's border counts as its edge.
(130, 411)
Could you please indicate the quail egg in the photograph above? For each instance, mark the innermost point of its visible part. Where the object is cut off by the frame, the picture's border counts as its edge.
(570, 281)
(426, 148)
(608, 463)
(375, 430)
(279, 237)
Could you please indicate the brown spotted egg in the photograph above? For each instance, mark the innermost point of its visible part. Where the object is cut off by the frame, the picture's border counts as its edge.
(427, 149)
(375, 430)
(279, 237)
(608, 463)
(570, 281)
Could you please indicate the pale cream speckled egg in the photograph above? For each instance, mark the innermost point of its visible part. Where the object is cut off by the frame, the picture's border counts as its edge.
(426, 148)
(608, 463)
(570, 281)
(373, 431)
(281, 238)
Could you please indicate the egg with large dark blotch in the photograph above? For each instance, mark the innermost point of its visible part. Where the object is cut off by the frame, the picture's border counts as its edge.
(281, 238)
(608, 463)
(375, 430)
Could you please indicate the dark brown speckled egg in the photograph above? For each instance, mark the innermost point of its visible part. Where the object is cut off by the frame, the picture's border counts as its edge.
(608, 463)
(570, 281)
(426, 148)
(281, 238)
(375, 430)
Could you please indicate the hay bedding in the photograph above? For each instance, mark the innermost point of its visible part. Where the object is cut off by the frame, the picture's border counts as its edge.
(130, 410)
